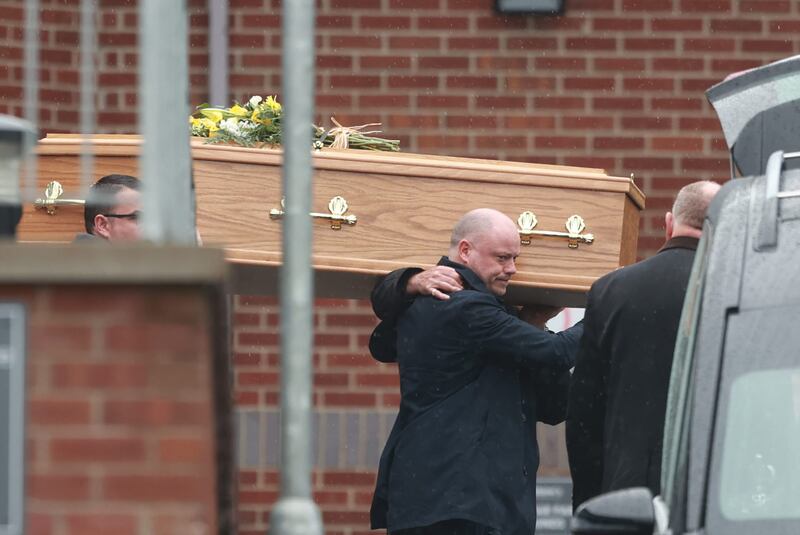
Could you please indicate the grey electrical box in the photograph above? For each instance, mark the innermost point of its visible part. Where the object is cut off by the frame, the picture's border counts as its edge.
(533, 7)
(12, 415)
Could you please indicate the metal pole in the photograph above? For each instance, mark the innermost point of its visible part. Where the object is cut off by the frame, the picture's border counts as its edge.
(88, 47)
(296, 513)
(167, 197)
(31, 93)
(218, 52)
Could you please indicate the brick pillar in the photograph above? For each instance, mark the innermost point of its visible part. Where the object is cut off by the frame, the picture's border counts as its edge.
(125, 393)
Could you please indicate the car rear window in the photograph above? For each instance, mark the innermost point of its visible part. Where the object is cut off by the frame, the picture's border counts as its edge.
(755, 477)
(760, 470)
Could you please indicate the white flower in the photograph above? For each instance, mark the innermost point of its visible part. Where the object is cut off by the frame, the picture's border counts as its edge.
(230, 126)
(255, 100)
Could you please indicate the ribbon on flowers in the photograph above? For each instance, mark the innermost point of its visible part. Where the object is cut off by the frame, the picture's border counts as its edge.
(341, 134)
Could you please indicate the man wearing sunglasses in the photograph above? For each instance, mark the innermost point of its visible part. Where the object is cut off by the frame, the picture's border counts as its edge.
(112, 209)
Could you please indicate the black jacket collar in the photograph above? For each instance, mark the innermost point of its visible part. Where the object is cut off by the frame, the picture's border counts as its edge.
(681, 242)
(470, 278)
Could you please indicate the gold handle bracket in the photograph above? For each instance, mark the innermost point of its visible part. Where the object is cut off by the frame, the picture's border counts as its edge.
(337, 207)
(52, 198)
(575, 225)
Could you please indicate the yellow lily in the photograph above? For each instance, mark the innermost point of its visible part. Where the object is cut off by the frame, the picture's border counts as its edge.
(210, 124)
(213, 115)
(256, 118)
(238, 111)
(273, 104)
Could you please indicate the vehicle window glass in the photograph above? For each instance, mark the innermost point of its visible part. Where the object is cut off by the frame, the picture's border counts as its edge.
(755, 466)
(760, 474)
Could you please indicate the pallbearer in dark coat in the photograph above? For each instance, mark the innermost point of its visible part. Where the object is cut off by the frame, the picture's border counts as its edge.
(619, 387)
(462, 455)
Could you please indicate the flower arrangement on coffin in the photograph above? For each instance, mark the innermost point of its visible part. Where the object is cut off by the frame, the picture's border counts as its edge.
(257, 123)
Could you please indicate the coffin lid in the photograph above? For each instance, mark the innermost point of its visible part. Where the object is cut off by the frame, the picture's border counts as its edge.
(442, 167)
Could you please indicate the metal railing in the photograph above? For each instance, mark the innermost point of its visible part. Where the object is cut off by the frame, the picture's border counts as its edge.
(166, 163)
(168, 214)
(296, 513)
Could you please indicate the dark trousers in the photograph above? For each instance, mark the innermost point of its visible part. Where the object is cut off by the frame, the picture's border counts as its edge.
(448, 527)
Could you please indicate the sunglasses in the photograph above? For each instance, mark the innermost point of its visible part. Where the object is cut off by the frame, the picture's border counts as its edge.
(133, 215)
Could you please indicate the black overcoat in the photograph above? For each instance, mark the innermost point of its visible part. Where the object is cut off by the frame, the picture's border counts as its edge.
(474, 379)
(618, 394)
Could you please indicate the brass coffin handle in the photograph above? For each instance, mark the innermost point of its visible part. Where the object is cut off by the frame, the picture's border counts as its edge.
(337, 207)
(52, 198)
(575, 226)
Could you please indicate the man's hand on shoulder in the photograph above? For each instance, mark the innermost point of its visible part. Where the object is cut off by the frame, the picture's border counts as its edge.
(438, 282)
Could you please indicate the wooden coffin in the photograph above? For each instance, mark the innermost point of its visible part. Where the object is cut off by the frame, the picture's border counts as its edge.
(400, 209)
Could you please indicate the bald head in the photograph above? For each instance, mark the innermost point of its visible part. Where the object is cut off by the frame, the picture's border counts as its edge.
(689, 209)
(476, 224)
(487, 242)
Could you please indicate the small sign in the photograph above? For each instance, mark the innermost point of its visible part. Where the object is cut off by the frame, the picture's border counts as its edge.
(532, 7)
(553, 505)
(12, 414)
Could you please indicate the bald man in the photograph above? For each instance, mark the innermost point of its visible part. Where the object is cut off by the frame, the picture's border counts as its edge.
(618, 394)
(462, 455)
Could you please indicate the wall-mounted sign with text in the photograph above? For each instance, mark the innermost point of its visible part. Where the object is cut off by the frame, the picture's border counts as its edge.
(553, 505)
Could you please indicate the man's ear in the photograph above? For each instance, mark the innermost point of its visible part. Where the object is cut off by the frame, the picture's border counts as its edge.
(101, 229)
(464, 248)
(669, 220)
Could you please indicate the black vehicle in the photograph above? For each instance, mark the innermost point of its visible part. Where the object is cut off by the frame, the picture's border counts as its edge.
(732, 435)
(731, 461)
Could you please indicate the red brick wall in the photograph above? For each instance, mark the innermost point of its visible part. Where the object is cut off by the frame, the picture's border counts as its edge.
(60, 61)
(348, 385)
(616, 84)
(120, 428)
